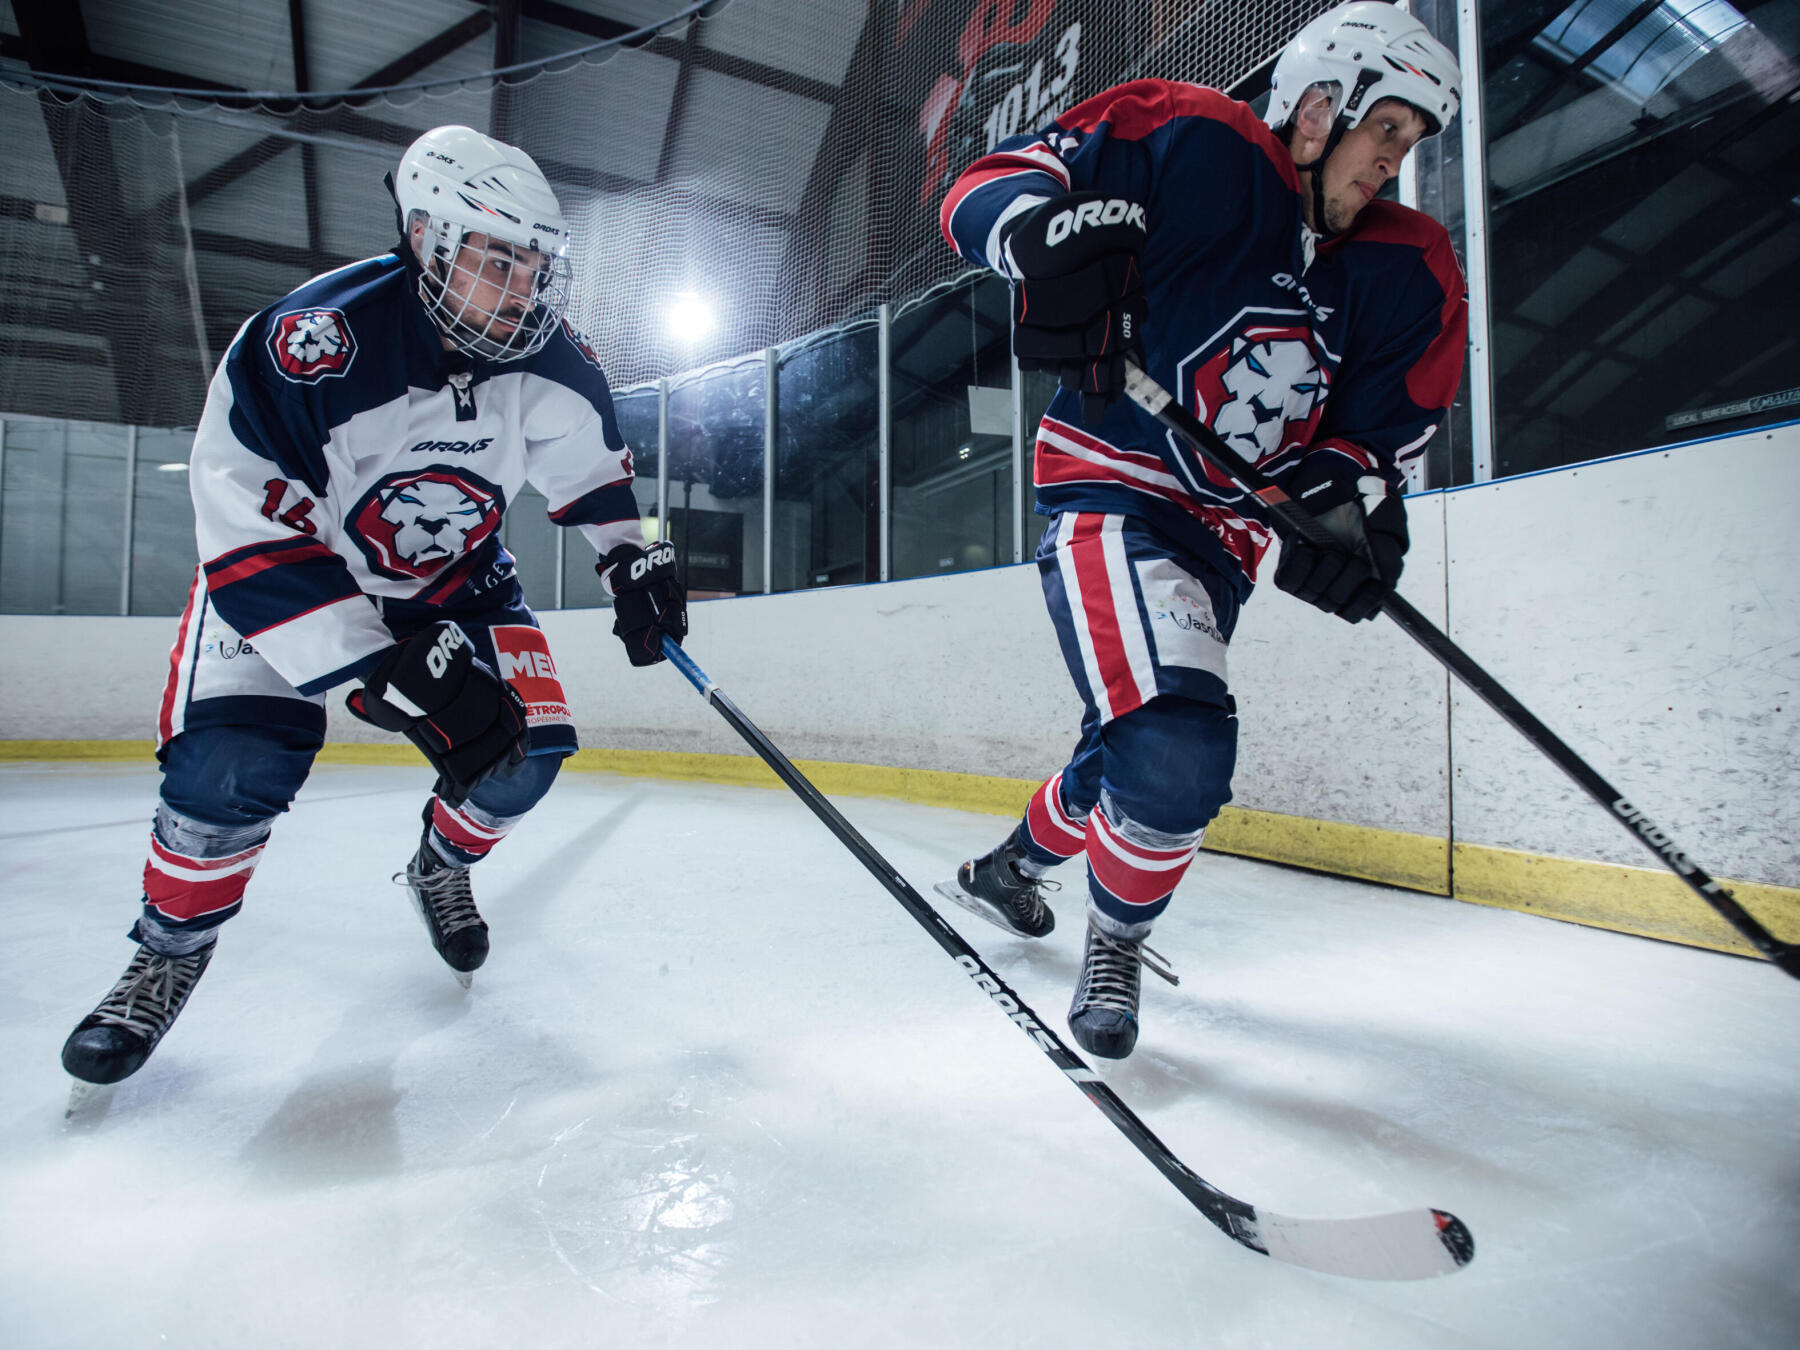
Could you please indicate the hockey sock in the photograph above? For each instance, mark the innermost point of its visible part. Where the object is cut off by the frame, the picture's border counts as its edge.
(1132, 871)
(463, 835)
(194, 878)
(1050, 832)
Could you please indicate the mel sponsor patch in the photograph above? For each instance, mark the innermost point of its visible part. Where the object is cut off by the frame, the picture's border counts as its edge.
(525, 664)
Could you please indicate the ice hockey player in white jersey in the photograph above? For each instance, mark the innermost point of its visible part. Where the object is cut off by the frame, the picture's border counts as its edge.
(361, 441)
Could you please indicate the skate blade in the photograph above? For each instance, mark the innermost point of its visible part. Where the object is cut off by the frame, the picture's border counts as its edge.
(466, 978)
(88, 1102)
(956, 895)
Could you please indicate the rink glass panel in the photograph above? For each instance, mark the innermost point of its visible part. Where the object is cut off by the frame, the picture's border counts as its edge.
(951, 387)
(163, 550)
(1645, 244)
(826, 528)
(715, 478)
(531, 538)
(62, 517)
(637, 413)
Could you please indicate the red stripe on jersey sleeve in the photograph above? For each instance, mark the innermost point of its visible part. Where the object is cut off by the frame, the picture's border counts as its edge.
(982, 172)
(1432, 381)
(1133, 110)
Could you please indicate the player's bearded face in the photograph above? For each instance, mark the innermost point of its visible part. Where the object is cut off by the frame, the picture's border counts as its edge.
(490, 285)
(1367, 156)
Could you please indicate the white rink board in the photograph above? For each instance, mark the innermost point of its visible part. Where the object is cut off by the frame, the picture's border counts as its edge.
(1341, 722)
(1647, 609)
(1669, 683)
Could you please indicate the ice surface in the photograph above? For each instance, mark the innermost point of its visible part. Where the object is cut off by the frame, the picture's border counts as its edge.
(714, 1088)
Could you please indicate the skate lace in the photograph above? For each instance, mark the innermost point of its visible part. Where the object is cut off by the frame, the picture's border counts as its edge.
(150, 993)
(449, 894)
(1110, 974)
(1030, 898)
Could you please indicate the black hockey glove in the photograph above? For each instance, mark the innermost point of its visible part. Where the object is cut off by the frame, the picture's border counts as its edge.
(649, 600)
(436, 692)
(1364, 512)
(1079, 307)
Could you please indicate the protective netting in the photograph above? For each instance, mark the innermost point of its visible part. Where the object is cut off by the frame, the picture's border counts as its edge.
(781, 160)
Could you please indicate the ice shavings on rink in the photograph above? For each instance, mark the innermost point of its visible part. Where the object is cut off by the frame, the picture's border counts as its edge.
(714, 1088)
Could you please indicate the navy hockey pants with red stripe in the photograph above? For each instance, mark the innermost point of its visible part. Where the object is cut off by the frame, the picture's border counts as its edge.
(1143, 627)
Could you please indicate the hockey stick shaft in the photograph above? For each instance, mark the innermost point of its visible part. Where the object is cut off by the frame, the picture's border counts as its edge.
(1236, 1218)
(1162, 405)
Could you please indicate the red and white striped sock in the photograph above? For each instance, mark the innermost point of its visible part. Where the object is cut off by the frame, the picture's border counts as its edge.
(1050, 832)
(463, 835)
(1129, 883)
(183, 891)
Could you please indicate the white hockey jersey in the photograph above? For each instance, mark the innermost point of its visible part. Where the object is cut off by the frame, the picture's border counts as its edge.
(346, 462)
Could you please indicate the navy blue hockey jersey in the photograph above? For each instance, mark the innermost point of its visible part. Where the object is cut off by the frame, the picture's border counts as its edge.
(1354, 347)
(345, 459)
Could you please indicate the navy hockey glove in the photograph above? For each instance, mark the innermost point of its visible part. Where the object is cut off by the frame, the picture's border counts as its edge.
(1363, 511)
(1078, 307)
(436, 692)
(649, 601)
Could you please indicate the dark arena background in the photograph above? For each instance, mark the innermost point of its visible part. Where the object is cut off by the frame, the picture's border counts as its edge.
(732, 1077)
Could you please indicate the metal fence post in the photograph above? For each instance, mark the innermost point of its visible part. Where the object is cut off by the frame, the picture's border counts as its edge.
(131, 448)
(1018, 462)
(885, 436)
(662, 459)
(1475, 243)
(771, 374)
(562, 547)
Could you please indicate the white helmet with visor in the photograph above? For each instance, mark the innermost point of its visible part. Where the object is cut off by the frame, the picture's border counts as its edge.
(1370, 51)
(490, 239)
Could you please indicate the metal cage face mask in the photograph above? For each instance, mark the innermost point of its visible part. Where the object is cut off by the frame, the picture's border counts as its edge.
(518, 315)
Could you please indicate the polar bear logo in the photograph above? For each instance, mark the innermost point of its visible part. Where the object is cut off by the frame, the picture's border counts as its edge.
(1269, 384)
(432, 521)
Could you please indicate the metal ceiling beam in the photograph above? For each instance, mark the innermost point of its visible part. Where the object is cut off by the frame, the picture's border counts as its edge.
(678, 107)
(124, 72)
(1564, 76)
(55, 41)
(309, 158)
(427, 53)
(603, 29)
(849, 130)
(501, 100)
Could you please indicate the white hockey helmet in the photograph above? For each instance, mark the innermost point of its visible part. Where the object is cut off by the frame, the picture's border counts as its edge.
(462, 183)
(1370, 51)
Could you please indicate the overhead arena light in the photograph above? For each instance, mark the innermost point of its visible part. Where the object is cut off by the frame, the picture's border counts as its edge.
(690, 317)
(177, 467)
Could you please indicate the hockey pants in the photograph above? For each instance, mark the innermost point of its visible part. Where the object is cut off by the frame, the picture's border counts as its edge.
(224, 785)
(1143, 627)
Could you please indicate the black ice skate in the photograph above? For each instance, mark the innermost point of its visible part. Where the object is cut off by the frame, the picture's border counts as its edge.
(993, 887)
(113, 1041)
(1103, 1015)
(445, 901)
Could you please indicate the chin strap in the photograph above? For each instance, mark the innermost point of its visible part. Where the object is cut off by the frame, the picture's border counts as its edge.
(1316, 168)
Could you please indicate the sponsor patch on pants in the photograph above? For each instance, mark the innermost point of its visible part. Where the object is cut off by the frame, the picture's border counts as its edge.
(525, 664)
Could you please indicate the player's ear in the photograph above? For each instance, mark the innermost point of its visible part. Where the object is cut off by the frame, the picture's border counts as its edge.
(1312, 124)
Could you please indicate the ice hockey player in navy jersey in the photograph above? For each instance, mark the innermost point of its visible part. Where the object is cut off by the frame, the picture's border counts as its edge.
(360, 443)
(1248, 265)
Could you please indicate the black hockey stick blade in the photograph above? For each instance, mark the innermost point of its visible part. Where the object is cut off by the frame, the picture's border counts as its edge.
(1409, 1245)
(1163, 406)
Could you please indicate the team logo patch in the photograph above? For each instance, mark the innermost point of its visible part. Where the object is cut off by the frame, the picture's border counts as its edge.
(1261, 383)
(410, 525)
(525, 664)
(582, 344)
(310, 344)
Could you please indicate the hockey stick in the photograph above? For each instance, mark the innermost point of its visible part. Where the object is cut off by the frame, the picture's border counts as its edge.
(1410, 1245)
(1160, 404)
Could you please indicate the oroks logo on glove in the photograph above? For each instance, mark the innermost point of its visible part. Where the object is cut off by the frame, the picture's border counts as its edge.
(657, 555)
(1071, 221)
(437, 660)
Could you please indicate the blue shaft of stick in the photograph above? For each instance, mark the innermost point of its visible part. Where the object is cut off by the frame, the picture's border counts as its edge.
(685, 664)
